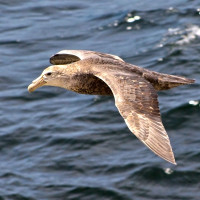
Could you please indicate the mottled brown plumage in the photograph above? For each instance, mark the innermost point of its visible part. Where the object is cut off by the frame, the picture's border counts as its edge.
(134, 90)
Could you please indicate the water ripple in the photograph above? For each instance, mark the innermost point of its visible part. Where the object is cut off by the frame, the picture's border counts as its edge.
(56, 144)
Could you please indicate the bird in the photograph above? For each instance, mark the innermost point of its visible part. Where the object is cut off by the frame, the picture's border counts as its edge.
(134, 89)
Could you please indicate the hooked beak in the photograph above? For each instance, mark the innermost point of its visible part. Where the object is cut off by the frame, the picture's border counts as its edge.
(39, 82)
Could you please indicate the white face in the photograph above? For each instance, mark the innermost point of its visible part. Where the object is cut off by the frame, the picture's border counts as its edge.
(49, 76)
(52, 76)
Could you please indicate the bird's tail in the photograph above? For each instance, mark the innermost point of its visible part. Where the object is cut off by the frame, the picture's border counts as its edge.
(170, 81)
(167, 81)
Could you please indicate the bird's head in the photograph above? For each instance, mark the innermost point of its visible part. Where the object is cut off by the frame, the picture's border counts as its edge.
(51, 76)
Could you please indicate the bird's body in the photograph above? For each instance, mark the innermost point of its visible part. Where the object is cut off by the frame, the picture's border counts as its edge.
(134, 89)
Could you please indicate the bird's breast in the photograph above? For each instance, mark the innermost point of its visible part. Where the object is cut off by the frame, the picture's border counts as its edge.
(89, 84)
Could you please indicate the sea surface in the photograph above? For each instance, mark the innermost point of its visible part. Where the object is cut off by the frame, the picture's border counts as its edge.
(60, 145)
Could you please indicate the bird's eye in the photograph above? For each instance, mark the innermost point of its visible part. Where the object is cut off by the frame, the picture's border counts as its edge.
(48, 74)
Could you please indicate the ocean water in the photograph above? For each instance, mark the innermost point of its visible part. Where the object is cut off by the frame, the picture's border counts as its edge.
(56, 144)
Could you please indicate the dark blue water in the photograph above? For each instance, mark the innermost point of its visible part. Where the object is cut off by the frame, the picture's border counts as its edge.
(56, 144)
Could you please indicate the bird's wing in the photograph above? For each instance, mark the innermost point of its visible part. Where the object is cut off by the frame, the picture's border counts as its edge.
(62, 58)
(70, 56)
(137, 102)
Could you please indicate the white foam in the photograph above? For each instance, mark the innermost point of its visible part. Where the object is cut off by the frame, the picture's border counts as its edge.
(181, 35)
(189, 34)
(193, 102)
(168, 171)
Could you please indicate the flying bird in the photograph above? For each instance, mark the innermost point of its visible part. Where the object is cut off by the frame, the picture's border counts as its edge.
(134, 90)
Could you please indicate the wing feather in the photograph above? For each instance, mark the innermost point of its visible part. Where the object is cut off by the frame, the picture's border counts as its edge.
(61, 59)
(137, 102)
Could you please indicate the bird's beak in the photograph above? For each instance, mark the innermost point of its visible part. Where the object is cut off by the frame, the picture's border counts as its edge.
(39, 82)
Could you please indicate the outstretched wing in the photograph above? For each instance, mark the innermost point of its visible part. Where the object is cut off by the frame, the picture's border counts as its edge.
(70, 56)
(137, 102)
